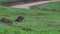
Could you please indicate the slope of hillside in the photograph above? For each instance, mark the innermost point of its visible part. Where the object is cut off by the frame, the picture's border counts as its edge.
(51, 5)
(39, 21)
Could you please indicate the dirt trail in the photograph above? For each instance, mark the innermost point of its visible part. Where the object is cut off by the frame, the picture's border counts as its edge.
(26, 6)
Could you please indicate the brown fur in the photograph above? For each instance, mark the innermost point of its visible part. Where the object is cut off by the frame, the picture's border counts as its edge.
(20, 19)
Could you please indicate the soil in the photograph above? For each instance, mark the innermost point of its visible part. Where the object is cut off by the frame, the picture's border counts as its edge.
(27, 5)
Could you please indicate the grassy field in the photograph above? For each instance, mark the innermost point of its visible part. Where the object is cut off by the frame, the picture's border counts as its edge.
(3, 0)
(7, 0)
(41, 22)
(51, 5)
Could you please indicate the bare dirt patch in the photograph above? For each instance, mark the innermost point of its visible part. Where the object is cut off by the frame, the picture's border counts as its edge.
(28, 5)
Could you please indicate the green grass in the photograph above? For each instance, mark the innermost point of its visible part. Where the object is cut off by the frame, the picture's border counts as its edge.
(51, 5)
(7, 0)
(3, 0)
(41, 22)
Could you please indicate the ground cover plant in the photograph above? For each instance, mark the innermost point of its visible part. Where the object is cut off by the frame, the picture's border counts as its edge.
(54, 6)
(5, 0)
(35, 22)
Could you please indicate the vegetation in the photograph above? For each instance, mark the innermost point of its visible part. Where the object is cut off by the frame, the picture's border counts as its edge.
(39, 21)
(4, 0)
(51, 5)
(17, 0)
